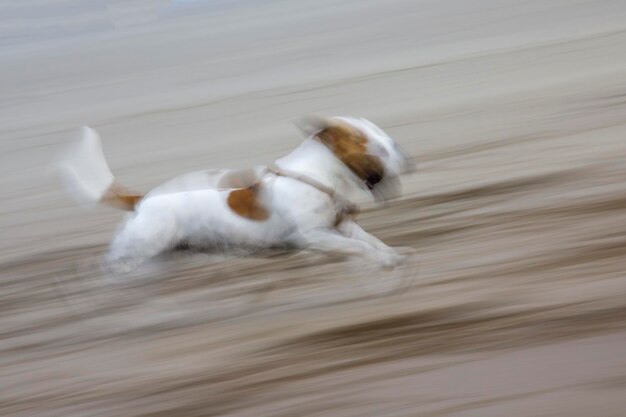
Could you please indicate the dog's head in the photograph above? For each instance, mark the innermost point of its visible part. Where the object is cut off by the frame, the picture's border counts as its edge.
(372, 155)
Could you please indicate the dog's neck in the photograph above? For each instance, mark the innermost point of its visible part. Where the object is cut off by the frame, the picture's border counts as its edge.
(313, 159)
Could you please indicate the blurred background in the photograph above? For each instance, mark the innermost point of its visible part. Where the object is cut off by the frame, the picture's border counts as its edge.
(515, 112)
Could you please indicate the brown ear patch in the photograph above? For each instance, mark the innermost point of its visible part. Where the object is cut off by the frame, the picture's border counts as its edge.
(245, 202)
(350, 146)
(121, 198)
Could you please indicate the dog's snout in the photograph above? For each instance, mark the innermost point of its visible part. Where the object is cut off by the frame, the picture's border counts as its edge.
(408, 162)
(410, 165)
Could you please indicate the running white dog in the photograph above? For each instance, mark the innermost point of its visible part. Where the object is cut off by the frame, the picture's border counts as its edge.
(299, 202)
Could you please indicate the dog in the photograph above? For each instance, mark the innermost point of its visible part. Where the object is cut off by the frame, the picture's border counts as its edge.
(299, 202)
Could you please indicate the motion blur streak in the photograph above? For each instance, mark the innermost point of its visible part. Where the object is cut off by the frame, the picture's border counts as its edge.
(515, 112)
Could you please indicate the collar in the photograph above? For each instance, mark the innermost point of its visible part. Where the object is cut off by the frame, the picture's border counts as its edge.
(343, 206)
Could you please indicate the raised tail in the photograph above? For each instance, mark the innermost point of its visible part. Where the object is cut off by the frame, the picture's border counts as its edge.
(87, 176)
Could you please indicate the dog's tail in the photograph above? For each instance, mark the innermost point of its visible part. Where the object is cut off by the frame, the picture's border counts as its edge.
(87, 176)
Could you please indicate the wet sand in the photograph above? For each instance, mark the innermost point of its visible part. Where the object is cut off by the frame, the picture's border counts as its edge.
(516, 115)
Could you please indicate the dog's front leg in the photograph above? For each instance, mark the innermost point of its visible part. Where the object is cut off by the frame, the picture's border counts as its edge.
(352, 229)
(332, 242)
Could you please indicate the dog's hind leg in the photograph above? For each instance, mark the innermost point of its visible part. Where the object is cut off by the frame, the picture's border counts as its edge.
(142, 237)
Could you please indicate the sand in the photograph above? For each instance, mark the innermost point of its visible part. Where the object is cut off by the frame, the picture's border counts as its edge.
(515, 112)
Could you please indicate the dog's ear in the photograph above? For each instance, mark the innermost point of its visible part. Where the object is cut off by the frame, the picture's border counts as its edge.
(311, 125)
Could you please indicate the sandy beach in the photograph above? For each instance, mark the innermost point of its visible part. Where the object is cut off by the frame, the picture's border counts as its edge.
(515, 112)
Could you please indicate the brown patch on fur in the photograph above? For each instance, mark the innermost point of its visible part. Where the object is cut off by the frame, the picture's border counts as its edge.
(350, 146)
(245, 202)
(121, 198)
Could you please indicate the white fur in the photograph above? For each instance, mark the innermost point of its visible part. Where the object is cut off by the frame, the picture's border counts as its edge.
(192, 209)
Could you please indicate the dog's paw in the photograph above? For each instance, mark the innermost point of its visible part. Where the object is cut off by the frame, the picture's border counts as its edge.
(397, 256)
(393, 260)
(120, 267)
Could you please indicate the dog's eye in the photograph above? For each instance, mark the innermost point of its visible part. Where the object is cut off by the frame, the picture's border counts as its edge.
(373, 179)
